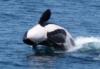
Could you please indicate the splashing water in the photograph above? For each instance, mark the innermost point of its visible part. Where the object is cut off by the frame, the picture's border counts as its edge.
(86, 42)
(87, 48)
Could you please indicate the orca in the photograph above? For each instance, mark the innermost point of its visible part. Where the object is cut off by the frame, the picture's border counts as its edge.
(48, 34)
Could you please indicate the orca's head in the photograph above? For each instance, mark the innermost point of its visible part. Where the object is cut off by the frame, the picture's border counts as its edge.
(38, 33)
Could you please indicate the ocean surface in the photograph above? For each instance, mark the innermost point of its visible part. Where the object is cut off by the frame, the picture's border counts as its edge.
(80, 17)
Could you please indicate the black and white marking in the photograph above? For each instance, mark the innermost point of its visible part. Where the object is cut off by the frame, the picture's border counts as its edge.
(48, 34)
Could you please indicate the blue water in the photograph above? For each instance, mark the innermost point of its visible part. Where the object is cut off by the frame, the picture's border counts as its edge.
(80, 17)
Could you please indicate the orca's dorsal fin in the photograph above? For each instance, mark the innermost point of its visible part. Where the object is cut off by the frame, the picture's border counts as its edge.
(45, 17)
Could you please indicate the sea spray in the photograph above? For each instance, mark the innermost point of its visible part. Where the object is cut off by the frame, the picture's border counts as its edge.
(85, 42)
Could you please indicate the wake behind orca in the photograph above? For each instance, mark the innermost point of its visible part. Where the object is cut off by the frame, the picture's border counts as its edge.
(47, 35)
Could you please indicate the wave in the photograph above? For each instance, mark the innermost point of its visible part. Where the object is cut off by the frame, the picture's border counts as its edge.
(87, 48)
(86, 43)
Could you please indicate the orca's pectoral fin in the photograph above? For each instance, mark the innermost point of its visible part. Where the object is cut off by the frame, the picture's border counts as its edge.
(57, 36)
(45, 17)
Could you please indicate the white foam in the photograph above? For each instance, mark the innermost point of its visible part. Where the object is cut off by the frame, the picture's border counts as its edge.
(81, 41)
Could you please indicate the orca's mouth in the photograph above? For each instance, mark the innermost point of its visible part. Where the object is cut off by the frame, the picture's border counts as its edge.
(28, 41)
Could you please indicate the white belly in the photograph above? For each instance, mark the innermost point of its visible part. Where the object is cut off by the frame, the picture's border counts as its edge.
(37, 34)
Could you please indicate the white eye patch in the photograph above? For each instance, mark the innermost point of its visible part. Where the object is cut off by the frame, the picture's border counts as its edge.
(52, 27)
